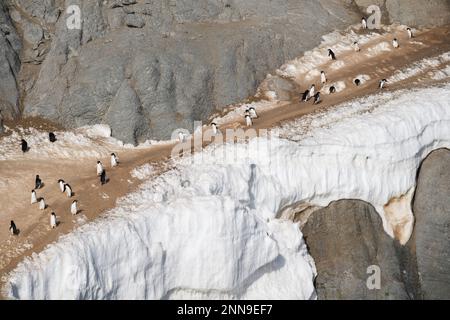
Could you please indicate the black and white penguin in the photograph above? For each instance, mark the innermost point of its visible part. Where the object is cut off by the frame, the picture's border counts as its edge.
(312, 91)
(305, 96)
(382, 83)
(74, 207)
(356, 46)
(248, 121)
(323, 77)
(38, 182)
(33, 197)
(331, 54)
(253, 113)
(103, 177)
(68, 190)
(317, 98)
(364, 23)
(13, 228)
(114, 160)
(247, 112)
(357, 82)
(395, 43)
(61, 185)
(24, 145)
(99, 168)
(410, 33)
(51, 137)
(214, 128)
(53, 221)
(42, 205)
(332, 89)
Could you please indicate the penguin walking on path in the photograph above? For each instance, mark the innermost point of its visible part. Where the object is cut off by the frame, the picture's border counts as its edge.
(410, 33)
(214, 128)
(38, 182)
(68, 190)
(248, 120)
(51, 137)
(312, 91)
(103, 177)
(74, 207)
(42, 205)
(382, 83)
(323, 77)
(356, 46)
(114, 160)
(99, 168)
(305, 96)
(317, 98)
(13, 229)
(53, 221)
(395, 43)
(253, 113)
(331, 54)
(33, 197)
(61, 185)
(364, 23)
(332, 89)
(24, 146)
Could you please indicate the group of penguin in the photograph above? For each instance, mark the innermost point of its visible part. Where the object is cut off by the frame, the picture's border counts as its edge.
(63, 186)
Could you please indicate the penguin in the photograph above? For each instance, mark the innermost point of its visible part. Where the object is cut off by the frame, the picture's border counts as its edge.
(248, 121)
(395, 43)
(114, 160)
(305, 96)
(99, 168)
(410, 33)
(317, 98)
(74, 207)
(53, 221)
(331, 54)
(357, 82)
(51, 137)
(356, 46)
(68, 190)
(42, 204)
(13, 228)
(323, 77)
(332, 89)
(253, 113)
(364, 23)
(61, 185)
(312, 91)
(247, 113)
(214, 128)
(382, 83)
(33, 197)
(103, 177)
(24, 145)
(38, 182)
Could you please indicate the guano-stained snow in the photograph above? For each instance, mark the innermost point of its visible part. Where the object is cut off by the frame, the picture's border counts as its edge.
(208, 228)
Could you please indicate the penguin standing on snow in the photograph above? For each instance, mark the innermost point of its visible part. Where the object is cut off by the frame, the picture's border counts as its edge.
(356, 46)
(364, 23)
(24, 145)
(68, 190)
(99, 168)
(253, 113)
(13, 228)
(248, 120)
(410, 33)
(323, 77)
(395, 43)
(103, 177)
(33, 197)
(42, 204)
(38, 182)
(74, 207)
(114, 160)
(332, 89)
(305, 96)
(61, 185)
(382, 83)
(331, 54)
(53, 221)
(214, 128)
(51, 137)
(317, 98)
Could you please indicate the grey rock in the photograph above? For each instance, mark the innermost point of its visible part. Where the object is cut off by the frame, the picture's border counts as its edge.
(134, 21)
(431, 237)
(345, 239)
(32, 33)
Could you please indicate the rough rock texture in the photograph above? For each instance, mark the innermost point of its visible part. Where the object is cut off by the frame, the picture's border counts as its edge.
(431, 238)
(345, 239)
(415, 13)
(10, 46)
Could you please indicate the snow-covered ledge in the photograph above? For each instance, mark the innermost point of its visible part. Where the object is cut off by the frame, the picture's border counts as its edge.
(207, 229)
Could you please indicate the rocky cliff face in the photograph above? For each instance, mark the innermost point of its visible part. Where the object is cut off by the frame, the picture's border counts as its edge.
(147, 67)
(347, 237)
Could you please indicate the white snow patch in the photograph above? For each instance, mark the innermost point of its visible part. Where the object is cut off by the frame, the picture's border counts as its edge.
(143, 172)
(378, 49)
